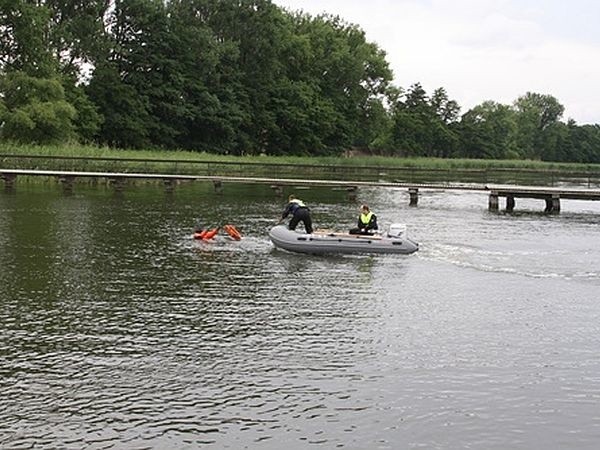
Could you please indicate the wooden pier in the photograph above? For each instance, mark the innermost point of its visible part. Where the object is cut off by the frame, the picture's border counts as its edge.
(551, 195)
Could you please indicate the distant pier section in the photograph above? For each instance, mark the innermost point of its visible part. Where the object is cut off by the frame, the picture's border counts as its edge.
(551, 195)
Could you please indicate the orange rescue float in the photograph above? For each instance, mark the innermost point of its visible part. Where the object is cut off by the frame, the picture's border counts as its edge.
(210, 234)
(232, 232)
(206, 235)
(199, 234)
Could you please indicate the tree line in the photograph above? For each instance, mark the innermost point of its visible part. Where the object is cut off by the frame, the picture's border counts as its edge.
(243, 77)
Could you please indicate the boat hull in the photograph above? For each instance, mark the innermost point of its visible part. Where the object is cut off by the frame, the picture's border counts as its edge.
(324, 243)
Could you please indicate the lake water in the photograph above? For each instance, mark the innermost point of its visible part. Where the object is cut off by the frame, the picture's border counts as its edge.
(120, 331)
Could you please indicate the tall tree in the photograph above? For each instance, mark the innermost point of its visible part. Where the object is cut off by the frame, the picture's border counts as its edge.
(34, 110)
(124, 111)
(256, 29)
(535, 113)
(445, 109)
(116, 86)
(421, 126)
(33, 45)
(207, 95)
(347, 75)
(489, 131)
(585, 143)
(76, 34)
(555, 143)
(24, 28)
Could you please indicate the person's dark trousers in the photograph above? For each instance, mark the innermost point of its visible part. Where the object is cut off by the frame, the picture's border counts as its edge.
(302, 215)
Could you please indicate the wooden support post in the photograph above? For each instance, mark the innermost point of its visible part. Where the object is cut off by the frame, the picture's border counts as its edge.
(414, 196)
(351, 190)
(510, 203)
(277, 189)
(218, 186)
(555, 203)
(552, 204)
(9, 181)
(67, 183)
(493, 201)
(118, 183)
(169, 184)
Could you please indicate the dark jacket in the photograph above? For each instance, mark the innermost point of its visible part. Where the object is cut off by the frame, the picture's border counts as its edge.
(292, 207)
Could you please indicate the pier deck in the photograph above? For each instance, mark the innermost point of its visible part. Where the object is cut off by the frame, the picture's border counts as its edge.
(551, 195)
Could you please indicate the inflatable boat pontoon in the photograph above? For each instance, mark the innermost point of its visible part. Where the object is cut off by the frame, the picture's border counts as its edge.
(320, 242)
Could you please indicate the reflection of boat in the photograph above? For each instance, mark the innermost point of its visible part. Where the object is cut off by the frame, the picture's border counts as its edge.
(393, 241)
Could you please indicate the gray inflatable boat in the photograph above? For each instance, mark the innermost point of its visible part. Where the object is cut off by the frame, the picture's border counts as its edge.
(321, 242)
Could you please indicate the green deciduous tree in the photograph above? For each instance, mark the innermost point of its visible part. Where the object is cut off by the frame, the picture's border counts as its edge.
(445, 109)
(75, 34)
(422, 126)
(24, 43)
(209, 100)
(33, 53)
(489, 131)
(35, 110)
(585, 143)
(535, 113)
(243, 77)
(343, 74)
(124, 110)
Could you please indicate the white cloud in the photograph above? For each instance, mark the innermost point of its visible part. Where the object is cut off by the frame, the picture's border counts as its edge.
(483, 49)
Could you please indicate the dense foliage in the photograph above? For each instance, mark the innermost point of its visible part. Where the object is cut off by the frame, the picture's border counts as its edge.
(243, 77)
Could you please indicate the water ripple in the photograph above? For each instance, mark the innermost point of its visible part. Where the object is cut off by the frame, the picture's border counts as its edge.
(120, 331)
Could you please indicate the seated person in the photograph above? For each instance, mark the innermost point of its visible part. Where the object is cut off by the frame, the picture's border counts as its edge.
(367, 222)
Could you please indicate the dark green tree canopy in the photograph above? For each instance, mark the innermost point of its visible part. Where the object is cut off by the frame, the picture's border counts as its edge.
(35, 110)
(243, 77)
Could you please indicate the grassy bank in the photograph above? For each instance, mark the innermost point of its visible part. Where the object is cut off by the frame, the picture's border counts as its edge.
(76, 158)
(77, 151)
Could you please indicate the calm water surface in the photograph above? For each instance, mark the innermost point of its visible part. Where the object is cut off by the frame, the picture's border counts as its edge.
(120, 331)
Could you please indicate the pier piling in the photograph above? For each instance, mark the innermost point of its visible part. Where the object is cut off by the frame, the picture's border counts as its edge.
(552, 204)
(9, 181)
(510, 203)
(493, 201)
(218, 186)
(169, 184)
(118, 183)
(414, 196)
(352, 190)
(277, 189)
(67, 183)
(551, 195)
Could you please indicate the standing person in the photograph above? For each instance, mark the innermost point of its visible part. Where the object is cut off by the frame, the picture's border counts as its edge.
(367, 221)
(299, 212)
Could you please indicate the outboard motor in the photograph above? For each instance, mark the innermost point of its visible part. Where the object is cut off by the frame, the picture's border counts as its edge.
(397, 230)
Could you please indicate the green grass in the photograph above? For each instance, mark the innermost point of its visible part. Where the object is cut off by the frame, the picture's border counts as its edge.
(379, 161)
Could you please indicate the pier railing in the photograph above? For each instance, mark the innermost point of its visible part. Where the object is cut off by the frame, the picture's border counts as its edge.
(531, 177)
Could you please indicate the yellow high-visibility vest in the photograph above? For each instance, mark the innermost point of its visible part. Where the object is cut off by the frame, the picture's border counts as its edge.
(366, 218)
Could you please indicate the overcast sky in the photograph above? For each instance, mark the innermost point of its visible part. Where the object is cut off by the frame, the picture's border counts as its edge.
(485, 49)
